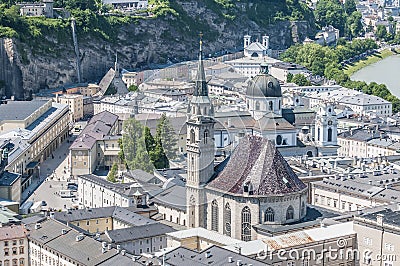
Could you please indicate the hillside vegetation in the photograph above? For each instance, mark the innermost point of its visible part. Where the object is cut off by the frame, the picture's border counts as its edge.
(90, 16)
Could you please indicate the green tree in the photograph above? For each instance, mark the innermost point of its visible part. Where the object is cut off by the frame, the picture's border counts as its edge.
(350, 6)
(155, 150)
(289, 77)
(134, 146)
(330, 12)
(381, 32)
(150, 143)
(354, 26)
(158, 156)
(112, 174)
(133, 87)
(301, 80)
(167, 135)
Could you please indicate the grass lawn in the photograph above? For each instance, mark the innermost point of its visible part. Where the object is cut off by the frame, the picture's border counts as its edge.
(351, 69)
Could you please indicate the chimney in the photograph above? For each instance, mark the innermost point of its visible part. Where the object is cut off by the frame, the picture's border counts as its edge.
(398, 206)
(37, 226)
(103, 244)
(63, 231)
(123, 252)
(103, 250)
(208, 254)
(109, 247)
(322, 224)
(230, 259)
(379, 219)
(52, 215)
(238, 263)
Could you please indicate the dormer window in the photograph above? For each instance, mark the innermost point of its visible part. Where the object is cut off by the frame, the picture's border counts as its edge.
(248, 188)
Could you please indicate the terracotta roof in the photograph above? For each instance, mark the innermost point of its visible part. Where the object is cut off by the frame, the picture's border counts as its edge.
(257, 160)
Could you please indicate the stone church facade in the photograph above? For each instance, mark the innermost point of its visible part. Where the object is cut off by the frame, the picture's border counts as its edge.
(253, 186)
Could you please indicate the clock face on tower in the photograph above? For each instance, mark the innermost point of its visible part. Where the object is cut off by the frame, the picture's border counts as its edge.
(330, 122)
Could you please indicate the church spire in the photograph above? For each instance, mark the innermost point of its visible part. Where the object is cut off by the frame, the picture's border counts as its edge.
(201, 84)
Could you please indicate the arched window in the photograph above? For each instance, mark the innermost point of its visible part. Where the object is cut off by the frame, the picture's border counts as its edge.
(206, 133)
(192, 203)
(279, 140)
(257, 105)
(329, 134)
(269, 215)
(319, 134)
(227, 220)
(194, 110)
(192, 136)
(246, 224)
(214, 215)
(271, 106)
(254, 54)
(290, 213)
(303, 208)
(205, 111)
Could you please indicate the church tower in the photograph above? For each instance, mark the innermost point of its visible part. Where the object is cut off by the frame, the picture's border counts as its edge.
(200, 148)
(326, 125)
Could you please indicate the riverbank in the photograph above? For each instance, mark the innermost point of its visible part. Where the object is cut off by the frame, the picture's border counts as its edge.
(351, 69)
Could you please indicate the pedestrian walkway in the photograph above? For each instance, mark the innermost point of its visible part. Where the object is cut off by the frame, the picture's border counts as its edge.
(54, 167)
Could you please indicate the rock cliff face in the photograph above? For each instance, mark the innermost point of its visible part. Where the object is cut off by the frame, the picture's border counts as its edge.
(149, 41)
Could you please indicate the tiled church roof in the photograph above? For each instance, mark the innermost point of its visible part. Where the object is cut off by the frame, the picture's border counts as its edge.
(257, 160)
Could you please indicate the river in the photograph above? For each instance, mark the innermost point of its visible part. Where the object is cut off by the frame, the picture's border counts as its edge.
(386, 71)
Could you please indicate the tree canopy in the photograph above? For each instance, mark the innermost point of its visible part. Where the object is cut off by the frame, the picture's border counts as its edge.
(330, 12)
(167, 136)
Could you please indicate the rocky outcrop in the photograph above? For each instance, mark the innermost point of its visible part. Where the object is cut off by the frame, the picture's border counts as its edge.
(139, 45)
(10, 72)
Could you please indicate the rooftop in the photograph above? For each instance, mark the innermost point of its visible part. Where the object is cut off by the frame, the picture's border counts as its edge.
(25, 109)
(138, 232)
(216, 256)
(206, 234)
(63, 239)
(119, 213)
(12, 232)
(257, 164)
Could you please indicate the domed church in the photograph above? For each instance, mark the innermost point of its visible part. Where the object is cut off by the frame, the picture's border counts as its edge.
(255, 185)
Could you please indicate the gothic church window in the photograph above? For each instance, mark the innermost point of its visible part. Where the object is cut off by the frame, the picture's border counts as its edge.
(214, 215)
(227, 220)
(246, 224)
(192, 136)
(290, 213)
(269, 215)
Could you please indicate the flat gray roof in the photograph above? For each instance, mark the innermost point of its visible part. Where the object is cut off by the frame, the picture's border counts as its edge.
(19, 110)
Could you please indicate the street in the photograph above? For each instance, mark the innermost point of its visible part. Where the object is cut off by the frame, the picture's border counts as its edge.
(54, 175)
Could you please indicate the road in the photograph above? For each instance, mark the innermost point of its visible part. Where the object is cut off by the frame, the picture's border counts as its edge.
(54, 174)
